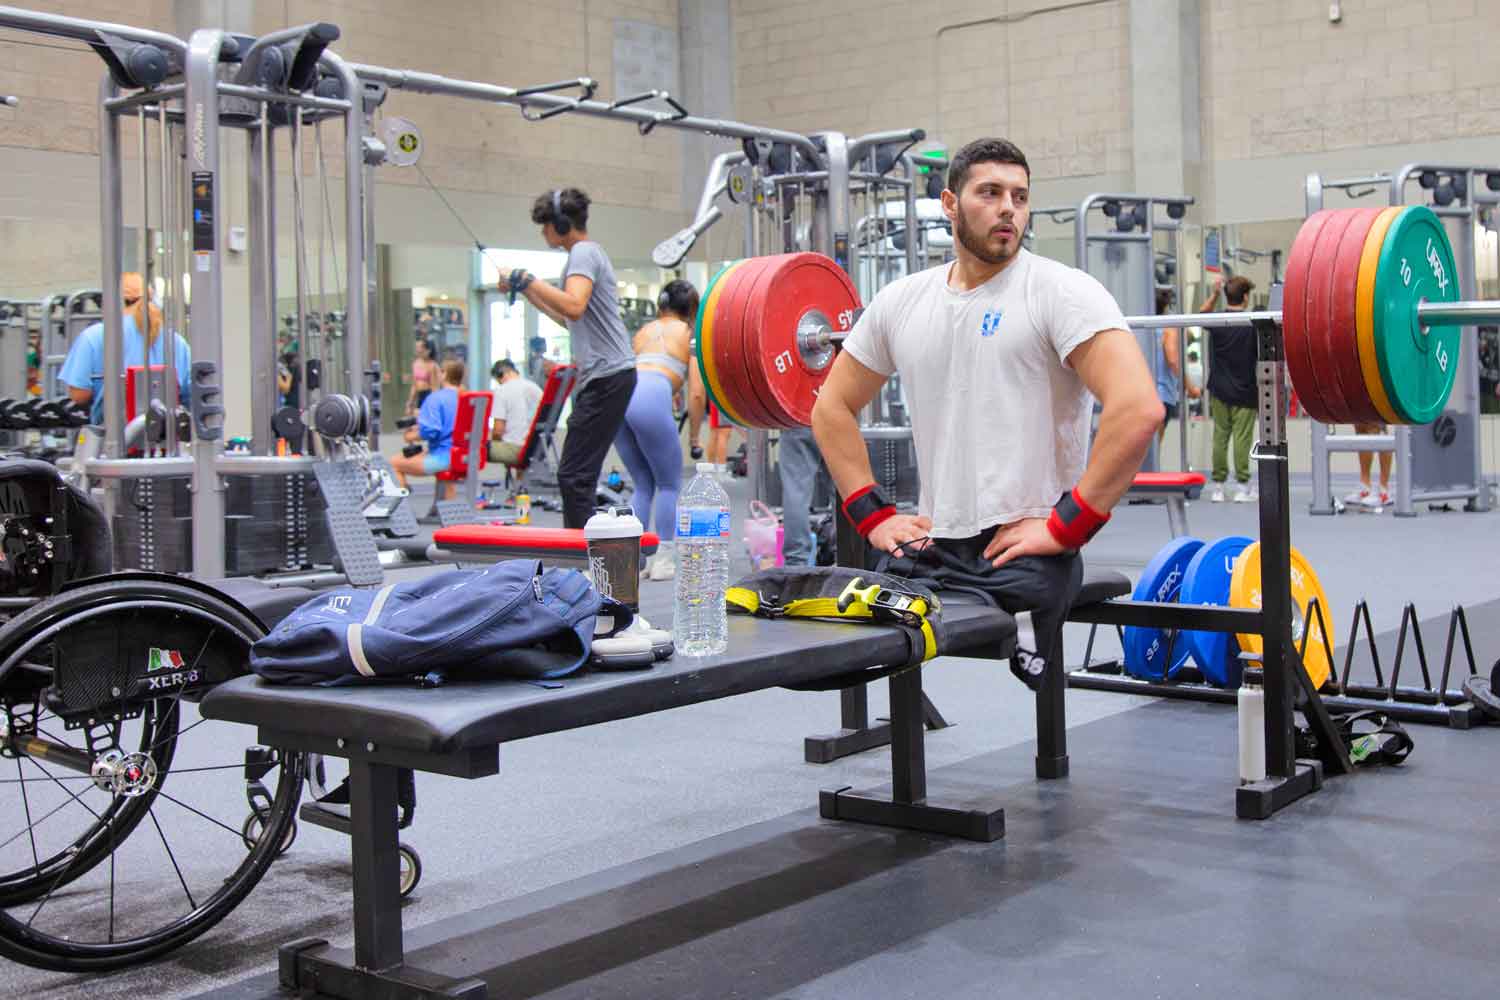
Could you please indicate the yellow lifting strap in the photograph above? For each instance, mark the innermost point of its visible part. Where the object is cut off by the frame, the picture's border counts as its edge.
(868, 604)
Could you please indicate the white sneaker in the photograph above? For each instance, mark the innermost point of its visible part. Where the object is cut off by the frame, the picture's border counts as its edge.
(1360, 496)
(1216, 495)
(663, 565)
(1247, 494)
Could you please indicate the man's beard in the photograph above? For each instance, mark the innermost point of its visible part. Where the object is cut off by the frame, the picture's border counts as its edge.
(978, 245)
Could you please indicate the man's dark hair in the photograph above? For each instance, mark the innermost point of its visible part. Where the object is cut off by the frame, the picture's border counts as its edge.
(538, 345)
(1164, 297)
(680, 298)
(1236, 288)
(983, 151)
(499, 368)
(573, 202)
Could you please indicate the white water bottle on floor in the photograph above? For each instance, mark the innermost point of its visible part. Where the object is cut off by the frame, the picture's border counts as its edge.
(700, 624)
(1252, 712)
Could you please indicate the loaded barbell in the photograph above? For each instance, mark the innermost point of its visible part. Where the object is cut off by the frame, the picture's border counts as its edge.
(1369, 323)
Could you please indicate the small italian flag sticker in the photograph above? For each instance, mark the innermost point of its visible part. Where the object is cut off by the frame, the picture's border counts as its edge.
(163, 659)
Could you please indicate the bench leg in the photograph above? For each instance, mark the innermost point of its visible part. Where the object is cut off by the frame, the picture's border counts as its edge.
(376, 969)
(855, 734)
(907, 807)
(1177, 516)
(1051, 712)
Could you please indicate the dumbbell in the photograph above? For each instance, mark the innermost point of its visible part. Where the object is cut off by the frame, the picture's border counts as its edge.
(75, 414)
(23, 414)
(409, 450)
(49, 414)
(5, 406)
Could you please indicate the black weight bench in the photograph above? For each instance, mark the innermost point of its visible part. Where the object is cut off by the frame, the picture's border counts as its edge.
(457, 729)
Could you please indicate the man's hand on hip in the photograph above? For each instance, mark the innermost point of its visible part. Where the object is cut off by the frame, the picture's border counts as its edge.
(1027, 537)
(894, 532)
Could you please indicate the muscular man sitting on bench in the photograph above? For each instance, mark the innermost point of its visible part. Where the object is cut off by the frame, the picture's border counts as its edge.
(434, 428)
(999, 353)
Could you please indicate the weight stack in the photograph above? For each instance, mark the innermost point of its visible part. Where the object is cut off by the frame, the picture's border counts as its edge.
(893, 460)
(153, 527)
(275, 524)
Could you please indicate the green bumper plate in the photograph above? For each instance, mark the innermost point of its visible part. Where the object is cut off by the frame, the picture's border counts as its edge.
(1417, 364)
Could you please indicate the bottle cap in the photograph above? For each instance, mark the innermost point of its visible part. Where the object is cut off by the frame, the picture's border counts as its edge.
(613, 522)
(705, 467)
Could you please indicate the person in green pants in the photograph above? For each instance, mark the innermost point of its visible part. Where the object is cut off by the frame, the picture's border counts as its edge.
(1231, 388)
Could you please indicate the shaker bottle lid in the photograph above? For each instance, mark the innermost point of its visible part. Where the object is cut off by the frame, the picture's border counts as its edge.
(705, 466)
(611, 523)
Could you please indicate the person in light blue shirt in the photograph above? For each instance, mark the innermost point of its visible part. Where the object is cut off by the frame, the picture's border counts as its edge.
(83, 370)
(434, 428)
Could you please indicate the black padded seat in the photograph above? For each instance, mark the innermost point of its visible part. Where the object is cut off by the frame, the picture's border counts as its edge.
(463, 715)
(269, 604)
(1101, 585)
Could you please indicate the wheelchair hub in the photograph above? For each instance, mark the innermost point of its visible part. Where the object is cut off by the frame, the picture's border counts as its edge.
(126, 774)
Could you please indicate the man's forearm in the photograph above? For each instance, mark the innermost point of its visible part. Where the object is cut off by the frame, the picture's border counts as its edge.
(836, 430)
(549, 299)
(534, 295)
(1124, 437)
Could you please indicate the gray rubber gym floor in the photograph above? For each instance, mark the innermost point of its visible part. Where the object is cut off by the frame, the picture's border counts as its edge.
(681, 854)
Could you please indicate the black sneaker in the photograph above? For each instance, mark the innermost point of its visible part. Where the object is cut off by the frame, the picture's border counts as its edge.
(1028, 668)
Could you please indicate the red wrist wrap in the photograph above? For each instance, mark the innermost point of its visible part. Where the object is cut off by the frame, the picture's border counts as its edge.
(1073, 522)
(866, 508)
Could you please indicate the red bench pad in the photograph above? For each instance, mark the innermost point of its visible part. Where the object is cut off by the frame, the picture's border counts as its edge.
(518, 539)
(1165, 481)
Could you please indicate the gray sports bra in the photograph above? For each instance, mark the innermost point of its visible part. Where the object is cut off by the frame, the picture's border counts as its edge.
(663, 360)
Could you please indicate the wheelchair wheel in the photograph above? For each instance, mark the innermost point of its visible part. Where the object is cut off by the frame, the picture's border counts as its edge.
(411, 868)
(254, 825)
(121, 808)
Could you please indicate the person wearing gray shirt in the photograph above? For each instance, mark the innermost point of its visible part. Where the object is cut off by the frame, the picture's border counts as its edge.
(588, 304)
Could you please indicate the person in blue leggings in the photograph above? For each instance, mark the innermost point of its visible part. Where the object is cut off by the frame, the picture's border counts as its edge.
(649, 441)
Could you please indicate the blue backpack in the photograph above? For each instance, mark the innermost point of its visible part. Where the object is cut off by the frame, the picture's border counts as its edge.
(512, 619)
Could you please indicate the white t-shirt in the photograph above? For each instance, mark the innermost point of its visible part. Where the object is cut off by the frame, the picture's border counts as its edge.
(999, 420)
(515, 403)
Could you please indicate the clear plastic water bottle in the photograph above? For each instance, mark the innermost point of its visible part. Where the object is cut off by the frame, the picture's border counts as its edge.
(700, 625)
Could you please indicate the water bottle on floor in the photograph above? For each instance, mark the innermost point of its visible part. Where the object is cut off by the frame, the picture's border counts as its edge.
(700, 625)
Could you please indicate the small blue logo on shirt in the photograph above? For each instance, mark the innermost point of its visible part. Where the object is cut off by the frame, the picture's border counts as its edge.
(990, 325)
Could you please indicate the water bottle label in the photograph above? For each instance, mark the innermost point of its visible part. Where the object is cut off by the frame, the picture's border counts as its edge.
(702, 522)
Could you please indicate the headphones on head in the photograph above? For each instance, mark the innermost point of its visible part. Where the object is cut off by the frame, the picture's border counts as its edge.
(561, 223)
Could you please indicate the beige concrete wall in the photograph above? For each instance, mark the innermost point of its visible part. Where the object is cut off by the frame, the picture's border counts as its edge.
(1285, 92)
(1057, 83)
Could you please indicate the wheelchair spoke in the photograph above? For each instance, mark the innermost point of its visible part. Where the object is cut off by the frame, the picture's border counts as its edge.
(172, 857)
(53, 812)
(111, 883)
(26, 801)
(62, 877)
(58, 781)
(198, 812)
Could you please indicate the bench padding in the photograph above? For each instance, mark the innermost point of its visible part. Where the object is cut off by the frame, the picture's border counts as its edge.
(492, 540)
(460, 716)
